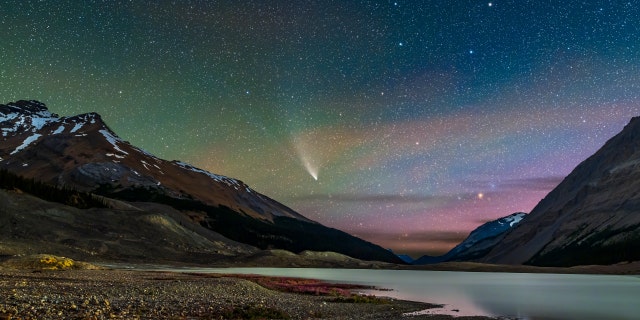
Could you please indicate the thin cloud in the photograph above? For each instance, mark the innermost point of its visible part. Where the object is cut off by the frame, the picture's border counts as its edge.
(534, 184)
(395, 198)
(426, 236)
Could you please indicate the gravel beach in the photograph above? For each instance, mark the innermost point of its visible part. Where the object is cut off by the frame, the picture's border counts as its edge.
(122, 294)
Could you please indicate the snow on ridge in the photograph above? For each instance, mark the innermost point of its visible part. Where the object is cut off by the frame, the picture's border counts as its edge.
(112, 139)
(514, 219)
(114, 155)
(146, 153)
(26, 143)
(77, 127)
(42, 118)
(59, 130)
(33, 121)
(226, 180)
(7, 117)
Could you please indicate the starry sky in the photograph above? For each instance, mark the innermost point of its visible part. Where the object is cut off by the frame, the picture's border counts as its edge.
(407, 123)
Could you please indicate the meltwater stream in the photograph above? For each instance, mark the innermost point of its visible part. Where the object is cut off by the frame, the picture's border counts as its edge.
(516, 295)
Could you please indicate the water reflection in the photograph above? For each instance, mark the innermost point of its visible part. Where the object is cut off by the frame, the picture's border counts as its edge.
(521, 295)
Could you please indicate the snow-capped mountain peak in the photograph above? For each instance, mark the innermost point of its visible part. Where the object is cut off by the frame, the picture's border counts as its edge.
(83, 153)
(95, 157)
(24, 116)
(479, 241)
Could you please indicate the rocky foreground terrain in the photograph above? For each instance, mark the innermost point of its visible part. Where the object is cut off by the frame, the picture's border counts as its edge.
(56, 288)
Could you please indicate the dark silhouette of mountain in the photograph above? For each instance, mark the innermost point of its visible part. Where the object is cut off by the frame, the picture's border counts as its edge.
(479, 241)
(591, 217)
(405, 258)
(123, 232)
(78, 199)
(82, 153)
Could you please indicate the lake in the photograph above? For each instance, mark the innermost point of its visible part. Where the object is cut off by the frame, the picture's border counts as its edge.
(519, 295)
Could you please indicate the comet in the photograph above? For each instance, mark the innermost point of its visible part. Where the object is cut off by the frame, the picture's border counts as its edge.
(311, 170)
(305, 155)
(308, 164)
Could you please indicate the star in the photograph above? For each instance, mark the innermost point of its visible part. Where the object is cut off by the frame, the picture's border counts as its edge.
(405, 137)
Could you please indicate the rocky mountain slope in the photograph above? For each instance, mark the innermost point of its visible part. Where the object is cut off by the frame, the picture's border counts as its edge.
(30, 225)
(479, 241)
(591, 217)
(81, 152)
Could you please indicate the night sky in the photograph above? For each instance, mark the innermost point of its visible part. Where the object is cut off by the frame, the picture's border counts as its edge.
(407, 123)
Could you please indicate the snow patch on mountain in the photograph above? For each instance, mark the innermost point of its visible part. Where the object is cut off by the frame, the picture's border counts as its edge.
(7, 117)
(112, 139)
(41, 119)
(478, 242)
(32, 120)
(514, 219)
(26, 143)
(77, 127)
(226, 180)
(59, 130)
(147, 153)
(115, 155)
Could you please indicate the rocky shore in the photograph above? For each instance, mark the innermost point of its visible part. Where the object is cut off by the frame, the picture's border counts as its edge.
(122, 294)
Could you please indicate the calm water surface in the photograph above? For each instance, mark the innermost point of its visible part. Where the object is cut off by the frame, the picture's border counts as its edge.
(518, 295)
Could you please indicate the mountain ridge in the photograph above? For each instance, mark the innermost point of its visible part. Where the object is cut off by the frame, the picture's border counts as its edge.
(479, 241)
(82, 152)
(591, 217)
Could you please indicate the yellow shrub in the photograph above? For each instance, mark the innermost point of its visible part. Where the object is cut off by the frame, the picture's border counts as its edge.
(53, 263)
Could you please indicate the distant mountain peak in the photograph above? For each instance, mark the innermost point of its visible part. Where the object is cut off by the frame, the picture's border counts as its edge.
(479, 241)
(24, 116)
(27, 106)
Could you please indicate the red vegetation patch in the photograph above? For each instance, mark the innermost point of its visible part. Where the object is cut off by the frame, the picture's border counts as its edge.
(300, 285)
(305, 286)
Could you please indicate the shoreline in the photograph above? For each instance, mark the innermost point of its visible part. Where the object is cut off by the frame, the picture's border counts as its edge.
(134, 294)
(629, 268)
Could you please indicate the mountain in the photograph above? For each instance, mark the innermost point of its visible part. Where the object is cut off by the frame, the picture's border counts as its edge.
(591, 217)
(83, 153)
(479, 241)
(31, 225)
(406, 258)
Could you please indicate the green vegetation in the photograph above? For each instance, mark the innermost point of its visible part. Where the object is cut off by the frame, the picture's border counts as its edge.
(64, 195)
